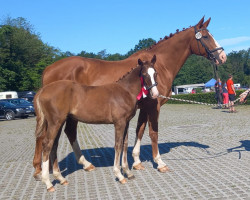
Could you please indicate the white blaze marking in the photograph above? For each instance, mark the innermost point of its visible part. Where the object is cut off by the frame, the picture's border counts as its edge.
(154, 90)
(151, 72)
(216, 43)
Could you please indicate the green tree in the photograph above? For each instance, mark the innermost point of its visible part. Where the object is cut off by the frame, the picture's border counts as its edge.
(21, 53)
(143, 44)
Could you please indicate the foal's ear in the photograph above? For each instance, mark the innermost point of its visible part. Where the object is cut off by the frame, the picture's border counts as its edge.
(153, 59)
(140, 62)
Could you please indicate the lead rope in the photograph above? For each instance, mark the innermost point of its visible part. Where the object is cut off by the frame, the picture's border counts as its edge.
(196, 102)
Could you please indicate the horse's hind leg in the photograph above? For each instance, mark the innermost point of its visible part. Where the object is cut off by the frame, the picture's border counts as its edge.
(71, 132)
(54, 161)
(125, 166)
(48, 143)
(153, 133)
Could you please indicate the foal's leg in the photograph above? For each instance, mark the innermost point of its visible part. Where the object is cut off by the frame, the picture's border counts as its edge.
(141, 124)
(54, 161)
(37, 160)
(71, 132)
(48, 142)
(119, 134)
(125, 166)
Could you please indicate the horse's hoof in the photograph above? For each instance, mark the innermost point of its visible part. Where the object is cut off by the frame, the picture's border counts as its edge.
(38, 176)
(163, 169)
(123, 181)
(139, 167)
(90, 168)
(51, 189)
(65, 183)
(131, 177)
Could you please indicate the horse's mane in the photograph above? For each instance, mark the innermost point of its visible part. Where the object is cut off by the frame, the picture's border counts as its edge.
(132, 69)
(152, 46)
(166, 38)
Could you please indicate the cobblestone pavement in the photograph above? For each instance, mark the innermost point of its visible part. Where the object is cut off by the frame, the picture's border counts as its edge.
(207, 151)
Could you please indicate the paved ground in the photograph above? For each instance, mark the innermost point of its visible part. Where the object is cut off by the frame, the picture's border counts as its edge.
(207, 150)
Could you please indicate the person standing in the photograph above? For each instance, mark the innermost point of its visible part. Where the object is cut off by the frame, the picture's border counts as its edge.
(231, 93)
(218, 92)
(225, 94)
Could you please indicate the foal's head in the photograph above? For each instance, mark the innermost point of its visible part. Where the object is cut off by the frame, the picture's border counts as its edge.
(149, 76)
(204, 43)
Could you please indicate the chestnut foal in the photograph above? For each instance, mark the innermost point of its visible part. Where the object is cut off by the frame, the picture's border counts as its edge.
(114, 103)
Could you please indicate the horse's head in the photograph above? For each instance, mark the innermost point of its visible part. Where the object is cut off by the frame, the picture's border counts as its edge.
(149, 76)
(205, 45)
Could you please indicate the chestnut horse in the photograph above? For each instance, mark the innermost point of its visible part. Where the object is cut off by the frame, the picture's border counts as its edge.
(114, 103)
(172, 52)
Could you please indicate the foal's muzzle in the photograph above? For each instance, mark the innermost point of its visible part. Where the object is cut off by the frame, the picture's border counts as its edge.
(153, 91)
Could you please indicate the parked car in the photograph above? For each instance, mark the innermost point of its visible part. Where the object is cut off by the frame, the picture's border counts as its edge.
(23, 103)
(27, 95)
(9, 111)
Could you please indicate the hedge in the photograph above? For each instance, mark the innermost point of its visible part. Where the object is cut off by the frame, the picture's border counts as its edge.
(203, 97)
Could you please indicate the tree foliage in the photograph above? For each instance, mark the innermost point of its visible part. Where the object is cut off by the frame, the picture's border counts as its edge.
(24, 56)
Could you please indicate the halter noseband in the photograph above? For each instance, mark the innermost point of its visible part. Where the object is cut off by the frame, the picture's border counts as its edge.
(199, 37)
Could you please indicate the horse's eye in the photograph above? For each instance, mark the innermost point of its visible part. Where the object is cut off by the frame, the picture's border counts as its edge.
(205, 36)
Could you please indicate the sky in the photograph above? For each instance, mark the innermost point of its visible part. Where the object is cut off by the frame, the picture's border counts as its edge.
(117, 25)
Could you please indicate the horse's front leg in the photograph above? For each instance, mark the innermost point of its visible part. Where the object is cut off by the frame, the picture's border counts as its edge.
(71, 132)
(125, 166)
(119, 135)
(153, 115)
(141, 124)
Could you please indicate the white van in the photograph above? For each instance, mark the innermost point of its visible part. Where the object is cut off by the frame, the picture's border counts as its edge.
(8, 95)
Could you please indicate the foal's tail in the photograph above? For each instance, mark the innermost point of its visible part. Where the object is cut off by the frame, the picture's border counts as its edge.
(40, 118)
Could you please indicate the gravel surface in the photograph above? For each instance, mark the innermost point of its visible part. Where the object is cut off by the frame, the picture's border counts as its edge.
(206, 149)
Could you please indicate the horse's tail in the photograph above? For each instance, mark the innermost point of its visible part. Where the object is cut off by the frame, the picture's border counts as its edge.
(40, 117)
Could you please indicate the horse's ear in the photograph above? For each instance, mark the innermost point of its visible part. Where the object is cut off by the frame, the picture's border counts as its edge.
(153, 59)
(205, 25)
(140, 62)
(200, 23)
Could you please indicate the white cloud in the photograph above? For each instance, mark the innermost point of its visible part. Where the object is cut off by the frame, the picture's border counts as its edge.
(234, 41)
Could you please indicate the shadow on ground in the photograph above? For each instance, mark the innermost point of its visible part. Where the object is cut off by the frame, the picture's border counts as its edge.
(245, 146)
(104, 157)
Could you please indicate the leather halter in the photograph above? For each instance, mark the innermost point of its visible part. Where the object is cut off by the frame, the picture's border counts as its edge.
(143, 90)
(210, 53)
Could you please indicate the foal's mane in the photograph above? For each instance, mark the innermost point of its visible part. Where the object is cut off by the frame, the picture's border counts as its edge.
(132, 69)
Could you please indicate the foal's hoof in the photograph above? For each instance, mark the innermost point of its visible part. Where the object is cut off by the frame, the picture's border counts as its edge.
(51, 189)
(90, 168)
(65, 183)
(123, 181)
(131, 177)
(38, 176)
(163, 169)
(139, 167)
